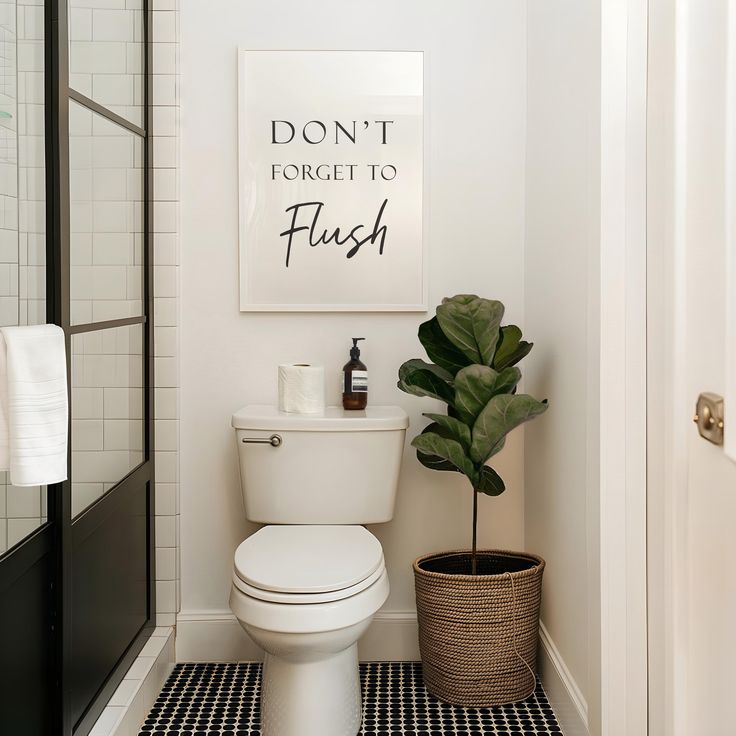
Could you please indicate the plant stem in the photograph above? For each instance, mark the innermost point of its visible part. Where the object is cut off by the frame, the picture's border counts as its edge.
(473, 555)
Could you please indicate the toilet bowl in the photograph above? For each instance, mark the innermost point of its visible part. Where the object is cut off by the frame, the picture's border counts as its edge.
(306, 586)
(305, 595)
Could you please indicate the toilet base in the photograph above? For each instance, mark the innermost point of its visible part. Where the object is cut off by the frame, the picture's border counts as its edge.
(311, 681)
(312, 697)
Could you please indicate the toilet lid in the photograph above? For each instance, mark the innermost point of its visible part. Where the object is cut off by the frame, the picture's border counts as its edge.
(308, 559)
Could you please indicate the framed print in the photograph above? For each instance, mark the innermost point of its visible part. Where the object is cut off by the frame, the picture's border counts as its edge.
(331, 172)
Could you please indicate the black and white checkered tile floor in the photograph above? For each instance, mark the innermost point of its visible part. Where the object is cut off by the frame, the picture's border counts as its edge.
(223, 700)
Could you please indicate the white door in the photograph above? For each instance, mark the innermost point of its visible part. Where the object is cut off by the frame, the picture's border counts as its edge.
(692, 482)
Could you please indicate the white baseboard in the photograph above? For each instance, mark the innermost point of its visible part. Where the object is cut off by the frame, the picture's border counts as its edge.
(216, 636)
(563, 692)
(392, 637)
(213, 636)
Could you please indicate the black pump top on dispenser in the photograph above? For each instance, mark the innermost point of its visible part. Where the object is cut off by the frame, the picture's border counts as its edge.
(355, 350)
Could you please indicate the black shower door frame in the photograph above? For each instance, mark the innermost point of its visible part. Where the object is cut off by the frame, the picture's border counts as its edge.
(75, 609)
(77, 596)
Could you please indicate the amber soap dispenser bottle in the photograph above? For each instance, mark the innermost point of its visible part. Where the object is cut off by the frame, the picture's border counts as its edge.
(355, 380)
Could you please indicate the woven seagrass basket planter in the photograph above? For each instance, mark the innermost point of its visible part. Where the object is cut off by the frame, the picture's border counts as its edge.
(478, 633)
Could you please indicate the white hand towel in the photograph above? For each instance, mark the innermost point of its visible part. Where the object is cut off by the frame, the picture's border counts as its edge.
(34, 418)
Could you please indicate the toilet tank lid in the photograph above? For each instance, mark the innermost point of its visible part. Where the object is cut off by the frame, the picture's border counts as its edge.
(332, 419)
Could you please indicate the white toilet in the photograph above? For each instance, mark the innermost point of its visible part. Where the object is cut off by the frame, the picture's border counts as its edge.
(306, 585)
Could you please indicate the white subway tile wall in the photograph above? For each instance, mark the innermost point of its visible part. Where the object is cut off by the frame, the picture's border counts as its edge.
(31, 256)
(106, 214)
(107, 434)
(165, 113)
(106, 54)
(106, 65)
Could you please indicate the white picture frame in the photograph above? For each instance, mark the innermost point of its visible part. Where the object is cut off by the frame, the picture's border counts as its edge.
(331, 179)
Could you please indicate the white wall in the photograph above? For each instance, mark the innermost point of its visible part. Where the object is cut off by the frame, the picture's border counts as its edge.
(561, 314)
(476, 106)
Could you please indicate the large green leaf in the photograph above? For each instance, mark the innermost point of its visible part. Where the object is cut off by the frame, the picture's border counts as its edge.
(472, 325)
(508, 342)
(476, 385)
(417, 363)
(439, 348)
(426, 382)
(473, 389)
(454, 428)
(490, 482)
(432, 443)
(521, 352)
(503, 413)
(435, 463)
(507, 381)
(511, 348)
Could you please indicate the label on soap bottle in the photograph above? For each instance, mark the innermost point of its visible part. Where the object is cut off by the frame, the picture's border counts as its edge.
(355, 382)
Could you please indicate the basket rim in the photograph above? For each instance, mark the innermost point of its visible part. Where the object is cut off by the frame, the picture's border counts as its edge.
(530, 572)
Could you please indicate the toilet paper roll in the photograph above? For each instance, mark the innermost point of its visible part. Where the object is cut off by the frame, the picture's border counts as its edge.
(302, 388)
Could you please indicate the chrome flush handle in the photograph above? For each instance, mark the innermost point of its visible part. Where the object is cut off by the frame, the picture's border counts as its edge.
(274, 440)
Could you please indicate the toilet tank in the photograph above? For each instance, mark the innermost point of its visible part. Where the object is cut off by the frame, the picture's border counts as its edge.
(338, 467)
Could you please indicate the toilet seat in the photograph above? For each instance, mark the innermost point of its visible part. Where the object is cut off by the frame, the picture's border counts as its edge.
(335, 574)
(307, 564)
(306, 598)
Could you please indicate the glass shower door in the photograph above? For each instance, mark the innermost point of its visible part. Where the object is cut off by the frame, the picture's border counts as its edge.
(28, 675)
(104, 305)
(77, 559)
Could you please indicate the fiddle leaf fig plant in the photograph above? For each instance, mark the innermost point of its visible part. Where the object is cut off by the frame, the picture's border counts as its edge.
(474, 372)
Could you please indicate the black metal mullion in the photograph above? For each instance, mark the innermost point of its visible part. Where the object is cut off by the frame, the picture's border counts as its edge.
(107, 324)
(58, 308)
(103, 111)
(148, 292)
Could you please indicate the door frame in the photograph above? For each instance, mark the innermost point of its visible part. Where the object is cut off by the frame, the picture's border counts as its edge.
(669, 404)
(622, 370)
